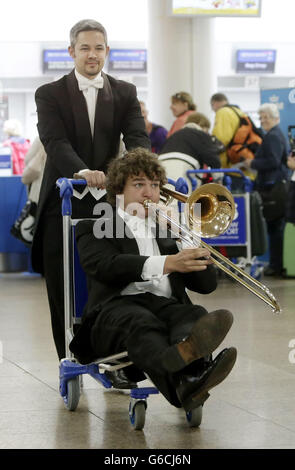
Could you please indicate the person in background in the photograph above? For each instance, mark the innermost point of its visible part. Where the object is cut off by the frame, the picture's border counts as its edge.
(270, 162)
(157, 133)
(23, 228)
(290, 211)
(35, 160)
(225, 126)
(217, 101)
(17, 143)
(137, 291)
(182, 106)
(80, 120)
(194, 140)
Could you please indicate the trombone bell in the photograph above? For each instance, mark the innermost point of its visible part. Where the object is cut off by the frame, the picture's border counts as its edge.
(210, 210)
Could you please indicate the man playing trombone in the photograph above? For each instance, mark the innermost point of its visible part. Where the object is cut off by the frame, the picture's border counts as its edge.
(137, 279)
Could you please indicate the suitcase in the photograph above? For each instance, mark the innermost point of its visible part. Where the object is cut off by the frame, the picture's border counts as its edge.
(289, 250)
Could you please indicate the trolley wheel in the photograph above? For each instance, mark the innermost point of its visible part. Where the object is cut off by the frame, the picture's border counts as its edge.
(194, 417)
(137, 417)
(73, 394)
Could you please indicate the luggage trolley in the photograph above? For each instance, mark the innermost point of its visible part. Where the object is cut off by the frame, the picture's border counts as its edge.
(239, 232)
(75, 293)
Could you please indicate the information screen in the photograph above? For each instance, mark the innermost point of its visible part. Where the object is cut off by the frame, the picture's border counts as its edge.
(242, 8)
(256, 61)
(57, 60)
(127, 60)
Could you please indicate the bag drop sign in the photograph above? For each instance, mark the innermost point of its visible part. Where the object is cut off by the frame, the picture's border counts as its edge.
(236, 232)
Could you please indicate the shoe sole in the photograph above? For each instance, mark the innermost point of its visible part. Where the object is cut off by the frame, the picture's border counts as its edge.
(218, 374)
(206, 335)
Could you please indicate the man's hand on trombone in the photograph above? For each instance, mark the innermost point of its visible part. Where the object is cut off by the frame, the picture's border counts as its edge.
(188, 260)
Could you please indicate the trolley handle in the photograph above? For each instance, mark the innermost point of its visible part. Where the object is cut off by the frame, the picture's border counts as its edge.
(66, 189)
(247, 181)
(180, 185)
(65, 186)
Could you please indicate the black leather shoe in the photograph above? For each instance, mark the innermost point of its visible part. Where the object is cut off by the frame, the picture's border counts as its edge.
(119, 379)
(206, 335)
(193, 391)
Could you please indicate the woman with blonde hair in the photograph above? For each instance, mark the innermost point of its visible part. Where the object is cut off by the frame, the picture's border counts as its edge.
(182, 105)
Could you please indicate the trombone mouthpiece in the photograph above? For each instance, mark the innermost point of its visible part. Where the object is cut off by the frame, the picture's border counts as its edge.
(147, 203)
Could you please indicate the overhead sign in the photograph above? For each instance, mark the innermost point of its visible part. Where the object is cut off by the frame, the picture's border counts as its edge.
(216, 7)
(256, 61)
(57, 60)
(127, 60)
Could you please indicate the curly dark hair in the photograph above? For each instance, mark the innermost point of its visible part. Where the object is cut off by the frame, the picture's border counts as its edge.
(134, 162)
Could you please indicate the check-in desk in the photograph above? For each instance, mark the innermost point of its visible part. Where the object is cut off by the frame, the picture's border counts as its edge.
(14, 255)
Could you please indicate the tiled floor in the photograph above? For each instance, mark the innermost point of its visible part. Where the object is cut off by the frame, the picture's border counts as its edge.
(253, 408)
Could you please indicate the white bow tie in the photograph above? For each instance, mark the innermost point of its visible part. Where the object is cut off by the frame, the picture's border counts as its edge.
(85, 83)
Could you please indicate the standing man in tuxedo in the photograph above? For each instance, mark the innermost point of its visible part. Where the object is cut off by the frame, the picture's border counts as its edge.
(137, 280)
(80, 120)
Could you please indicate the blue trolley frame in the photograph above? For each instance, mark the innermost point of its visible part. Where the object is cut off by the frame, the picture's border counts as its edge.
(70, 369)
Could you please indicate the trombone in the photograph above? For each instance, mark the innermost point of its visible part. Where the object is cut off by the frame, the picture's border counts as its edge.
(211, 217)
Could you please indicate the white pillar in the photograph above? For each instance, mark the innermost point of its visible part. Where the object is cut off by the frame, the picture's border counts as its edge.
(204, 64)
(169, 60)
(181, 57)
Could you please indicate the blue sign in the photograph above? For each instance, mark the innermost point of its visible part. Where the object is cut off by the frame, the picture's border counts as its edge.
(5, 161)
(57, 60)
(127, 60)
(256, 61)
(236, 234)
(284, 98)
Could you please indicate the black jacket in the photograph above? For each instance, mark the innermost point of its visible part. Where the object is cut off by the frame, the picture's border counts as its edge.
(64, 130)
(271, 159)
(195, 143)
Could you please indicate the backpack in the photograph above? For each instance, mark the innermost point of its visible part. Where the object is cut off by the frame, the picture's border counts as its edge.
(23, 227)
(246, 140)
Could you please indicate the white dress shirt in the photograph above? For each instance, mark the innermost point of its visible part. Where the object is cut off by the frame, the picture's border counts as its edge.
(154, 281)
(89, 89)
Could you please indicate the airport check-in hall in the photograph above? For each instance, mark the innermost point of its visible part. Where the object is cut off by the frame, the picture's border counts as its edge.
(147, 206)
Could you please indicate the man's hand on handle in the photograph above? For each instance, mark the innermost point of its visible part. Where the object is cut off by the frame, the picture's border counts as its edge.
(94, 178)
